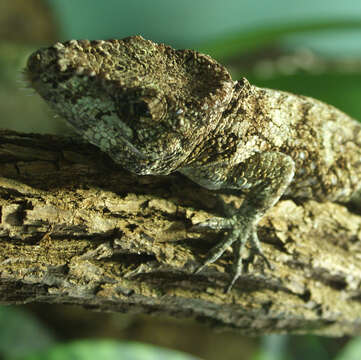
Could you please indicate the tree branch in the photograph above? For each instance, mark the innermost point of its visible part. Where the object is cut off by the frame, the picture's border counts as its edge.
(75, 228)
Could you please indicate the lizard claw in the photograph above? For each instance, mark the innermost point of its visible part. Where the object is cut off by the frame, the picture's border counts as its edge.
(241, 233)
(256, 250)
(200, 268)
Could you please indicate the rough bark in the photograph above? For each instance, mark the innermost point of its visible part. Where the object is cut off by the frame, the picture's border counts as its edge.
(75, 228)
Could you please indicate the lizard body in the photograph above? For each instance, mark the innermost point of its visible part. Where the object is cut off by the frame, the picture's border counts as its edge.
(156, 110)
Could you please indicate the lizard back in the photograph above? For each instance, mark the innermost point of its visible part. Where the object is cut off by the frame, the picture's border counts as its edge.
(323, 141)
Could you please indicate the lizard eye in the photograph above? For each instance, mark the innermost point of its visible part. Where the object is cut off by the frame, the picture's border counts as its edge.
(149, 108)
(143, 108)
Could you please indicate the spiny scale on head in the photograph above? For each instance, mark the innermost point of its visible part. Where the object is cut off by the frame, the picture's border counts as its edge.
(112, 59)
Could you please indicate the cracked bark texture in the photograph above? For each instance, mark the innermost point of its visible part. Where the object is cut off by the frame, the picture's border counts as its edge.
(75, 228)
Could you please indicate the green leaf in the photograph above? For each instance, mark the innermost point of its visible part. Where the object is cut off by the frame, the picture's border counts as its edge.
(352, 351)
(108, 350)
(21, 333)
(238, 43)
(272, 347)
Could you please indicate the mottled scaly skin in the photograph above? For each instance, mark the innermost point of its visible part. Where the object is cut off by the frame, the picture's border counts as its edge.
(156, 110)
(323, 142)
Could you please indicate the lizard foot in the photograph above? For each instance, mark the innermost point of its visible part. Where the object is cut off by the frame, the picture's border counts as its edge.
(240, 231)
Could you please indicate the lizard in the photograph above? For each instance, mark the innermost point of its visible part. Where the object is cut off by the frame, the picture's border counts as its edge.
(156, 110)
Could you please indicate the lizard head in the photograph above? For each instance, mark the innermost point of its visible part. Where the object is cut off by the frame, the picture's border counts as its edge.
(144, 104)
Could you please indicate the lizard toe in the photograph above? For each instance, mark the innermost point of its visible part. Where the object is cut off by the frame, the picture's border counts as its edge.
(241, 233)
(215, 223)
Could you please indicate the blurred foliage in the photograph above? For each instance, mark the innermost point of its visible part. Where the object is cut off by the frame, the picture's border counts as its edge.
(12, 60)
(21, 333)
(26, 21)
(23, 337)
(74, 322)
(352, 351)
(24, 26)
(20, 108)
(246, 41)
(107, 350)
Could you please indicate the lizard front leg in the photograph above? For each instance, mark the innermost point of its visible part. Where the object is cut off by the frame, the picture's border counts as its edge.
(266, 176)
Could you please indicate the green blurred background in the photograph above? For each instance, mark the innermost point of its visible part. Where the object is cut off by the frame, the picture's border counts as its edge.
(310, 47)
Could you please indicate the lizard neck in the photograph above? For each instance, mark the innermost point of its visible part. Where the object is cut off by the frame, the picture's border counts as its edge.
(220, 142)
